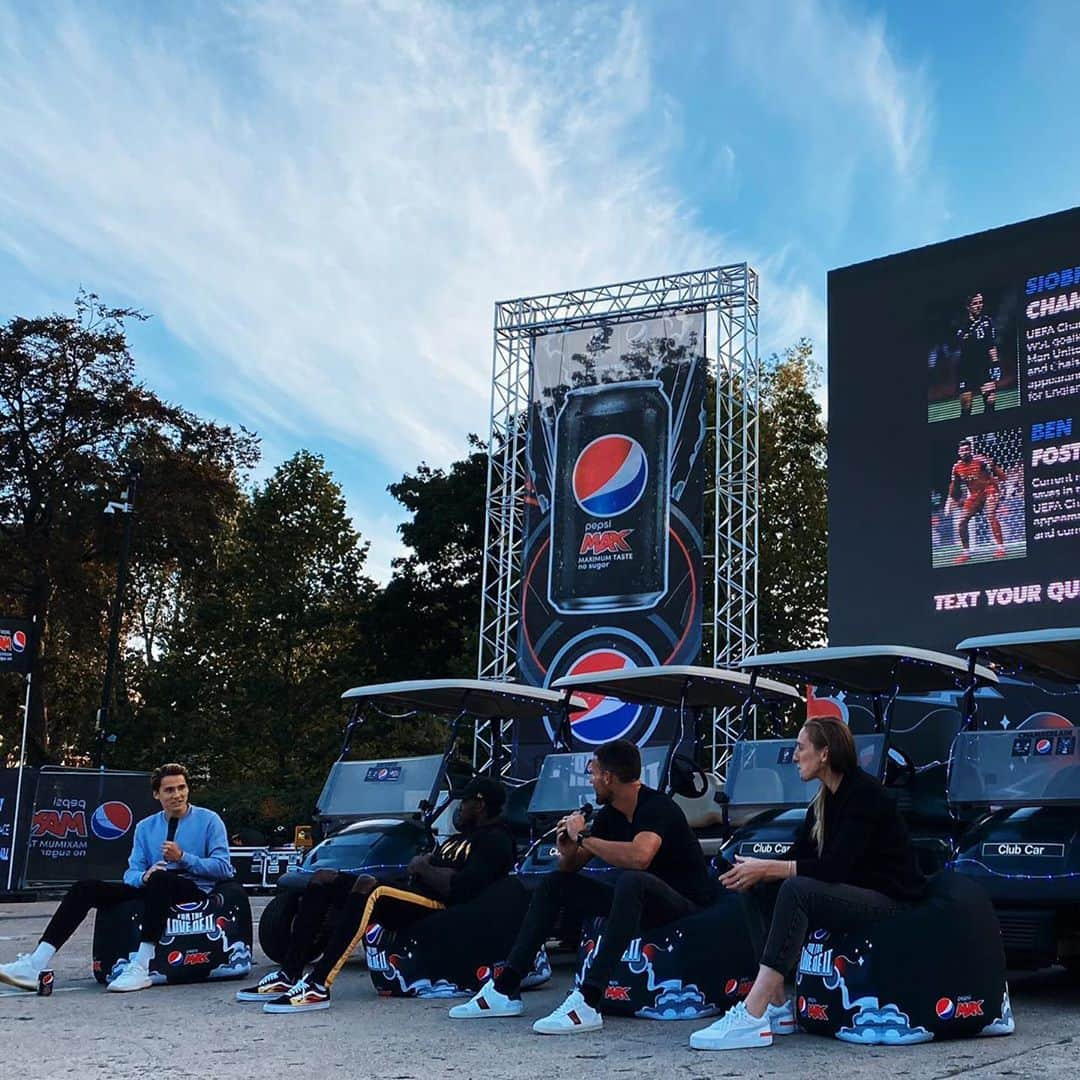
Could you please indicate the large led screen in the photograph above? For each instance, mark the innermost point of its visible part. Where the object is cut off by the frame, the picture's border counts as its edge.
(954, 438)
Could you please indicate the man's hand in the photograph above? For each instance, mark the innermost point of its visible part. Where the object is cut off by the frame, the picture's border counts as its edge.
(745, 874)
(418, 864)
(573, 825)
(156, 868)
(171, 851)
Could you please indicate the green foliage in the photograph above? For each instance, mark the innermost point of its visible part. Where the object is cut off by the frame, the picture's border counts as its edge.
(793, 538)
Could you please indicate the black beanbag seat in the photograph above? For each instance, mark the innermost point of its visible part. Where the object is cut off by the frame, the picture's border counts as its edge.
(696, 967)
(451, 952)
(934, 971)
(206, 939)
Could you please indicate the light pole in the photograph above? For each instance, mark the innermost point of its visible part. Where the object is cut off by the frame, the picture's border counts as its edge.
(125, 506)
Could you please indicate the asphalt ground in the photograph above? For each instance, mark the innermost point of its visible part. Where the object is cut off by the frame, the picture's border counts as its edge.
(202, 1031)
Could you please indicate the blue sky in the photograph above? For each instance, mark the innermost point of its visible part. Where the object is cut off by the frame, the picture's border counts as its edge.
(319, 203)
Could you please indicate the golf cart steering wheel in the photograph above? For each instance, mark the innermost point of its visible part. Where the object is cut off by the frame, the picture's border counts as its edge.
(688, 779)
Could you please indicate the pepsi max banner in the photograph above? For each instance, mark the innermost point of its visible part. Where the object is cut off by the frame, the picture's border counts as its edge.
(16, 638)
(612, 560)
(83, 824)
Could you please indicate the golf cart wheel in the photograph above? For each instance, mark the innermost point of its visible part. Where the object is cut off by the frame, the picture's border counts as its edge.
(275, 925)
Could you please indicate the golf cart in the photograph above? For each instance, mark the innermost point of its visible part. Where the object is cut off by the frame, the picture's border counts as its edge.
(1025, 781)
(373, 817)
(762, 776)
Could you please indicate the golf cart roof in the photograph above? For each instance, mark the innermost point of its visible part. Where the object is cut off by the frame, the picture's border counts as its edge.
(704, 688)
(1050, 654)
(870, 669)
(477, 697)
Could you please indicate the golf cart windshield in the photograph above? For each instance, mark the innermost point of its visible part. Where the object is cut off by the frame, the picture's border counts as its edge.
(1015, 768)
(378, 788)
(762, 772)
(564, 780)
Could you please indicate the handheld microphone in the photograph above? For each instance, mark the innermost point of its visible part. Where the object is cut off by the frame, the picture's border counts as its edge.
(585, 810)
(171, 831)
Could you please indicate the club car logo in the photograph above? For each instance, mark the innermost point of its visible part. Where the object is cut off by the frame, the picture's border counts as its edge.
(111, 820)
(1023, 850)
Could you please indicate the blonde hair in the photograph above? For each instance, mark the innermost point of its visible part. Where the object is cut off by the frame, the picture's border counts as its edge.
(829, 733)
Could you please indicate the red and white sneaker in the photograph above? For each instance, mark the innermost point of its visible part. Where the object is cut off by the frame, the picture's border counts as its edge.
(271, 985)
(487, 1003)
(781, 1018)
(574, 1015)
(735, 1030)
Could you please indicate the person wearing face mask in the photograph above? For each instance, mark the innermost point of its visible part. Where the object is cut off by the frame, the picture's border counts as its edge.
(457, 871)
(851, 865)
(177, 857)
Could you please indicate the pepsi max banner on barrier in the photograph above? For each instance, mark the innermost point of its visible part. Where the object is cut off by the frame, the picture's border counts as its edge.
(16, 641)
(612, 560)
(83, 824)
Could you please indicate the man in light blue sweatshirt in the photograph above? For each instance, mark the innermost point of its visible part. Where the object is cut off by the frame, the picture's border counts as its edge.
(177, 857)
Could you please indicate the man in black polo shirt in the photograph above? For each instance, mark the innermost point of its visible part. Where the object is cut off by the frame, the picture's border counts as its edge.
(665, 878)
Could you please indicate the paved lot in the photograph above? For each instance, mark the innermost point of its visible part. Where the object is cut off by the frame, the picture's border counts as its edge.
(201, 1031)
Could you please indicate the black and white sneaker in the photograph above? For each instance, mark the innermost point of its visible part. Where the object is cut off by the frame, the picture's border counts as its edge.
(269, 986)
(301, 997)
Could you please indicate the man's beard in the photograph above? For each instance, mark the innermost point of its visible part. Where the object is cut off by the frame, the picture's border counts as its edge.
(603, 797)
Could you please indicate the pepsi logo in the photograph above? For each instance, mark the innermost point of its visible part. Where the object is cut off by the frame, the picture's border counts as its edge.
(1044, 720)
(610, 475)
(604, 718)
(1043, 746)
(731, 986)
(18, 641)
(802, 1005)
(175, 958)
(372, 934)
(111, 820)
(819, 935)
(944, 1008)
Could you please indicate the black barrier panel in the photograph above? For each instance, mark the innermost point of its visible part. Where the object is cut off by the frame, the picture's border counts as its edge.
(12, 840)
(83, 824)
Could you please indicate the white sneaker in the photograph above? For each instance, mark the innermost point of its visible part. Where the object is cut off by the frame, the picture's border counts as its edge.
(781, 1018)
(487, 1002)
(575, 1014)
(735, 1030)
(20, 973)
(134, 976)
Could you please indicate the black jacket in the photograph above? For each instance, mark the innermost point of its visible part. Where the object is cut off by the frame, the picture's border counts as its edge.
(866, 842)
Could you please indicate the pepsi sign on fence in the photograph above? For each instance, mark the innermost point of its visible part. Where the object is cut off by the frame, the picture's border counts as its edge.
(612, 560)
(16, 641)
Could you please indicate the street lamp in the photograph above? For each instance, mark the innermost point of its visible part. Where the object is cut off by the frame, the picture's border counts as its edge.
(125, 506)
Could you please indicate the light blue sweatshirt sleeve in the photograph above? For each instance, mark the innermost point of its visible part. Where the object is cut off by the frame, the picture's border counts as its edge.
(141, 858)
(215, 864)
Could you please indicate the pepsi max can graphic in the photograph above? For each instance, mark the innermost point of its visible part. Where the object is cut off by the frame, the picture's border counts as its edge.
(610, 499)
(45, 982)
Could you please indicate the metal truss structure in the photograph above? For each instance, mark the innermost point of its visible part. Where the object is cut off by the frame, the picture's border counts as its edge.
(728, 295)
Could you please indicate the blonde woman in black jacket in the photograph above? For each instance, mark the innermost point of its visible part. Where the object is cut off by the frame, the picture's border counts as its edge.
(852, 864)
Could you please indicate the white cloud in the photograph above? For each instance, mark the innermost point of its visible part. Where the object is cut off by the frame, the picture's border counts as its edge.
(325, 208)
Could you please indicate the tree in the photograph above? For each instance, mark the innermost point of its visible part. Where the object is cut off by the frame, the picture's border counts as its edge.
(248, 687)
(427, 616)
(72, 414)
(793, 525)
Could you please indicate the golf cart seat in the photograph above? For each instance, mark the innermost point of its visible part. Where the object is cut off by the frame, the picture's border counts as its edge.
(207, 939)
(695, 967)
(452, 951)
(934, 971)
(759, 787)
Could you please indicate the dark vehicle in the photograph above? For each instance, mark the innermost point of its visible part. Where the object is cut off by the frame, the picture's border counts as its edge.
(372, 817)
(763, 779)
(1025, 782)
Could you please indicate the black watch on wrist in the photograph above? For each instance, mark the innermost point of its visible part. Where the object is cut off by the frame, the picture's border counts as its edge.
(581, 837)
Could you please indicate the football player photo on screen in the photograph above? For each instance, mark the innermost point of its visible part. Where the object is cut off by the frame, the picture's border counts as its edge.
(977, 499)
(971, 358)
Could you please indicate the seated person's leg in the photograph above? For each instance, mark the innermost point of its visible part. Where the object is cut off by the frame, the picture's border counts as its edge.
(328, 889)
(68, 917)
(558, 890)
(162, 889)
(641, 899)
